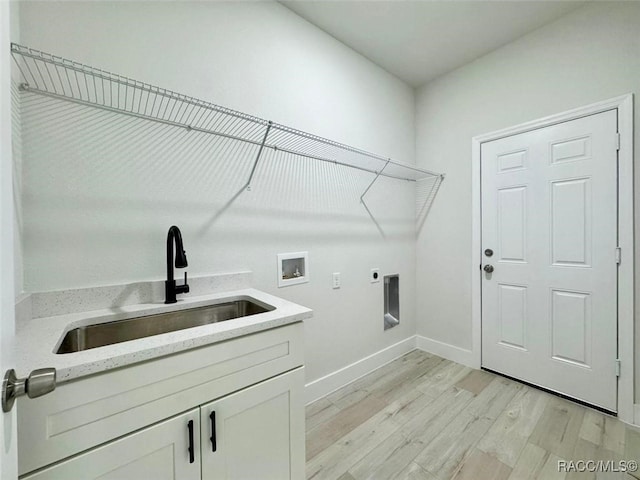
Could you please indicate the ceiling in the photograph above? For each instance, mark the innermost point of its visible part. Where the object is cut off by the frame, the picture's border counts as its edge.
(420, 40)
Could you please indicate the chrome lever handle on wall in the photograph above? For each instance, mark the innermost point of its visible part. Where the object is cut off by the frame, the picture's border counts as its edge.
(40, 382)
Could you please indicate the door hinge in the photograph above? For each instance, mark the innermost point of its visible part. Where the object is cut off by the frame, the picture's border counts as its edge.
(618, 255)
(617, 141)
(617, 367)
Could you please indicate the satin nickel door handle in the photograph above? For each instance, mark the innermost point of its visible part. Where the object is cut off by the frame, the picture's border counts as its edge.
(40, 382)
(488, 268)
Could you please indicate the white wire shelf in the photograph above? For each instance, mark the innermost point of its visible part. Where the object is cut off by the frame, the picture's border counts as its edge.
(53, 76)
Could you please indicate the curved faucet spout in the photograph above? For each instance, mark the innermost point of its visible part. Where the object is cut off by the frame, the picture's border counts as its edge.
(171, 289)
(175, 235)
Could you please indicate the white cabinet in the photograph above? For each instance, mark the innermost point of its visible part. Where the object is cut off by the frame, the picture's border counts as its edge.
(130, 423)
(159, 452)
(257, 436)
(257, 433)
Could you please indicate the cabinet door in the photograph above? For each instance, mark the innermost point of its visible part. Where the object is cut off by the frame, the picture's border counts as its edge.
(258, 432)
(160, 452)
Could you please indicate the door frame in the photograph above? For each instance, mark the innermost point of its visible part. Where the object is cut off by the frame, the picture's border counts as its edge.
(624, 105)
(8, 428)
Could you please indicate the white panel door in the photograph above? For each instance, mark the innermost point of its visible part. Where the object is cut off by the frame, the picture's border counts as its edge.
(256, 433)
(160, 452)
(549, 214)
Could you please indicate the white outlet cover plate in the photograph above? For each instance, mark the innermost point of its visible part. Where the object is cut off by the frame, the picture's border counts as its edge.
(373, 277)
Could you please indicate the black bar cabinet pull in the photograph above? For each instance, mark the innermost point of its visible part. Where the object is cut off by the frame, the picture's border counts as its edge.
(214, 444)
(191, 454)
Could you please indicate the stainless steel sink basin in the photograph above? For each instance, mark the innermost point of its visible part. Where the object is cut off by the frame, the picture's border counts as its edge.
(98, 335)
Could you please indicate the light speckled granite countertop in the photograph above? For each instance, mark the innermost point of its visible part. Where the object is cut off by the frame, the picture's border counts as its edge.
(37, 339)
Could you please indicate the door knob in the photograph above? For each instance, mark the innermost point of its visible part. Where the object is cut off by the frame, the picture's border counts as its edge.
(488, 268)
(40, 382)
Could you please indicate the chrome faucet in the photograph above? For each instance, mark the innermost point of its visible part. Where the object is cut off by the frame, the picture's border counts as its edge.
(170, 287)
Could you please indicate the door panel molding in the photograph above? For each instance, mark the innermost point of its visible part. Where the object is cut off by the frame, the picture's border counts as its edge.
(574, 308)
(513, 334)
(624, 106)
(570, 228)
(512, 224)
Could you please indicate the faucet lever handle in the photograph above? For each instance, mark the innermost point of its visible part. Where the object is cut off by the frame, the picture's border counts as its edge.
(182, 288)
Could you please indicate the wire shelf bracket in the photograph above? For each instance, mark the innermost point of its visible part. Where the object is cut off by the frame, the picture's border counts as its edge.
(56, 77)
(255, 163)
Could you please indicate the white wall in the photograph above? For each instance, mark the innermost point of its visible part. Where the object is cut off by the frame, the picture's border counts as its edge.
(590, 55)
(100, 190)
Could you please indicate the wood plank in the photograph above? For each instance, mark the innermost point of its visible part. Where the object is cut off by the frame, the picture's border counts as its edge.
(476, 381)
(442, 377)
(613, 436)
(347, 451)
(508, 436)
(345, 476)
(534, 462)
(317, 406)
(444, 454)
(414, 472)
(319, 412)
(394, 384)
(408, 381)
(632, 447)
(406, 409)
(592, 426)
(325, 434)
(603, 430)
(529, 464)
(558, 428)
(361, 388)
(336, 459)
(550, 470)
(585, 451)
(480, 465)
(387, 459)
(397, 451)
(433, 414)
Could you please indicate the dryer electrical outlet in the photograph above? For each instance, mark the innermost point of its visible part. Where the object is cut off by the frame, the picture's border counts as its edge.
(374, 277)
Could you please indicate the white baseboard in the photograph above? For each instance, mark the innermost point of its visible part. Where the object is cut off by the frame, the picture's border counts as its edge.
(330, 383)
(445, 350)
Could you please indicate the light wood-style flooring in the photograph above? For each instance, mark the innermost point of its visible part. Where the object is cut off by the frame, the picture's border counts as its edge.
(422, 417)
